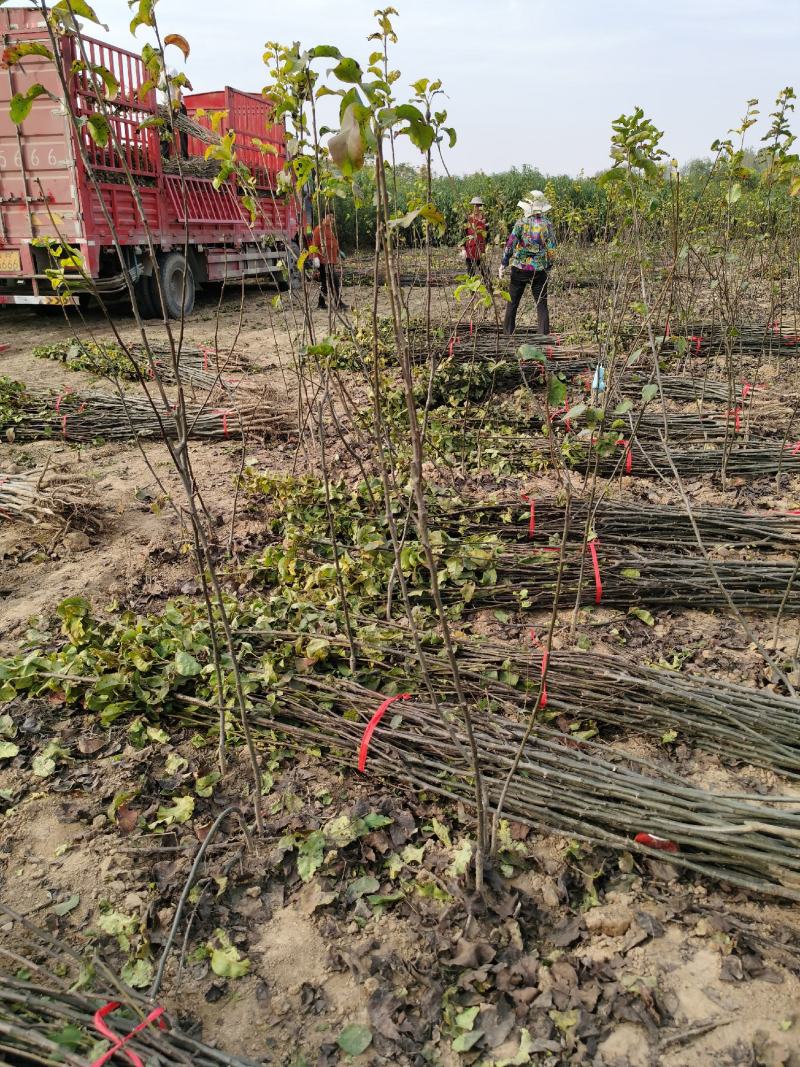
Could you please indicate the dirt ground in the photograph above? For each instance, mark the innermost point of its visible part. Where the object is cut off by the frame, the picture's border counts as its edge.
(634, 963)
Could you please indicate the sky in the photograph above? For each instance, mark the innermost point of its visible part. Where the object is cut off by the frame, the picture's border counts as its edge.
(528, 81)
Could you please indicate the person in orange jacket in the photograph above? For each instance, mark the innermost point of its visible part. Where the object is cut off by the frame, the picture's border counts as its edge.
(477, 234)
(327, 257)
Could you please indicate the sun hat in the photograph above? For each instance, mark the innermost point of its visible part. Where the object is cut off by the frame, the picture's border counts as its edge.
(477, 200)
(535, 203)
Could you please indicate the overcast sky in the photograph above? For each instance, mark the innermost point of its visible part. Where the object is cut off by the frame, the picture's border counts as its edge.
(529, 81)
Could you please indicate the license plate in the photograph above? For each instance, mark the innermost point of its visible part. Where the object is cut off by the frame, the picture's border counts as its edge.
(9, 263)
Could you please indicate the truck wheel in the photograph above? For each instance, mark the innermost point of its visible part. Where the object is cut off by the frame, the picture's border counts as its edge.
(172, 268)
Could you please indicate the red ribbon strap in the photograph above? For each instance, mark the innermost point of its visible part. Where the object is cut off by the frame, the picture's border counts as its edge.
(538, 644)
(470, 327)
(371, 726)
(661, 843)
(223, 414)
(119, 1042)
(598, 585)
(532, 519)
(696, 342)
(737, 425)
(628, 454)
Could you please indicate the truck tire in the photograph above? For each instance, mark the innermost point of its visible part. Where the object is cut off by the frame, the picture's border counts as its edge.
(171, 268)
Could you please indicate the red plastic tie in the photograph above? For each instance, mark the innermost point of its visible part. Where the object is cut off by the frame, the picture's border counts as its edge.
(750, 387)
(470, 327)
(372, 725)
(117, 1042)
(598, 585)
(696, 342)
(795, 448)
(628, 454)
(223, 414)
(532, 519)
(737, 425)
(538, 644)
(62, 396)
(660, 843)
(668, 330)
(548, 351)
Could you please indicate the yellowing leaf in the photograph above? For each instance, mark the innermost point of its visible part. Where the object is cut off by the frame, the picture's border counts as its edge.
(226, 960)
(180, 812)
(347, 146)
(179, 42)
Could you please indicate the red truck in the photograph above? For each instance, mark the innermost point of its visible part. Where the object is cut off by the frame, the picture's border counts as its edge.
(46, 190)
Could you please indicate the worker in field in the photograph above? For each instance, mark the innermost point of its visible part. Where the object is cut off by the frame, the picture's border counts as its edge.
(477, 235)
(529, 250)
(326, 258)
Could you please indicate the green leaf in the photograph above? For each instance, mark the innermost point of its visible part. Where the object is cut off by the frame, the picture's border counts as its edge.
(7, 727)
(99, 129)
(180, 812)
(565, 1020)
(465, 1020)
(441, 832)
(531, 352)
(175, 763)
(361, 886)
(649, 392)
(71, 1037)
(624, 407)
(374, 821)
(462, 855)
(226, 960)
(43, 765)
(21, 103)
(138, 973)
(523, 1054)
(67, 10)
(18, 51)
(310, 855)
(348, 70)
(8, 750)
(556, 392)
(157, 734)
(631, 572)
(668, 737)
(465, 1041)
(643, 614)
(734, 194)
(186, 665)
(354, 1039)
(204, 786)
(66, 906)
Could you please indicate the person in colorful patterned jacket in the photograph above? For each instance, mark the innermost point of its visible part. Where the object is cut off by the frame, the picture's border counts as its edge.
(529, 250)
(477, 234)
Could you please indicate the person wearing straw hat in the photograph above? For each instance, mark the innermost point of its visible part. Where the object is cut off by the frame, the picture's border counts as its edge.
(477, 235)
(529, 251)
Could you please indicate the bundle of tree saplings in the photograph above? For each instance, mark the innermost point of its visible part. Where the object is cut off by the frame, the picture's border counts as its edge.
(50, 997)
(576, 787)
(202, 367)
(35, 414)
(682, 388)
(756, 459)
(692, 427)
(703, 338)
(44, 496)
(301, 685)
(624, 577)
(664, 527)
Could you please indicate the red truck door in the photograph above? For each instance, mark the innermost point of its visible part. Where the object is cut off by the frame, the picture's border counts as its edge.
(38, 185)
